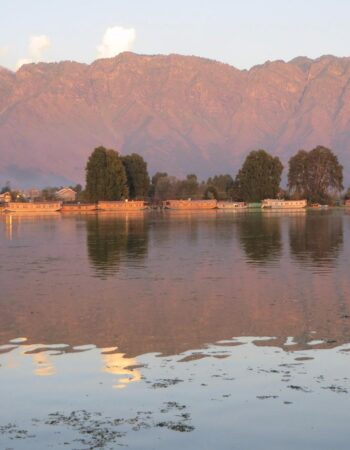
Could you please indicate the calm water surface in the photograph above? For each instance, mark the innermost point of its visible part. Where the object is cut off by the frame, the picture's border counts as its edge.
(217, 330)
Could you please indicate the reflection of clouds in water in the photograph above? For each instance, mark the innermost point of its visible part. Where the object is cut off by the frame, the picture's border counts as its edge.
(11, 362)
(117, 364)
(43, 365)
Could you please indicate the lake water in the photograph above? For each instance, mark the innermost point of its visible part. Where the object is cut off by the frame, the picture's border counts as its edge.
(216, 330)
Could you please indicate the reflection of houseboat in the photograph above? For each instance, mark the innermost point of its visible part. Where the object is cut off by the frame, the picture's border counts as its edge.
(34, 207)
(190, 204)
(125, 205)
(283, 204)
(77, 207)
(231, 205)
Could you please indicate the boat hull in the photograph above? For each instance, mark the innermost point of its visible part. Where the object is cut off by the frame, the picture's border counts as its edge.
(78, 208)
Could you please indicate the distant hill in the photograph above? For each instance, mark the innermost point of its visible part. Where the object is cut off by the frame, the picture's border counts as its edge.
(182, 113)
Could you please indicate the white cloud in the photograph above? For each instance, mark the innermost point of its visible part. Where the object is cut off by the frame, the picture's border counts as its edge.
(23, 61)
(36, 48)
(116, 40)
(3, 51)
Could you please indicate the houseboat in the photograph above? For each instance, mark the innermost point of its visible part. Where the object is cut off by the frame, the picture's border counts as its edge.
(33, 207)
(347, 203)
(190, 204)
(283, 204)
(78, 207)
(123, 205)
(231, 205)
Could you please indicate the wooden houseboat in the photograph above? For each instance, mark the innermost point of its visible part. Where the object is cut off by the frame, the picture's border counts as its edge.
(33, 207)
(190, 204)
(123, 205)
(283, 204)
(231, 205)
(77, 207)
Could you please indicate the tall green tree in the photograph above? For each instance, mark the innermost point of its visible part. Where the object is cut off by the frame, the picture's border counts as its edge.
(315, 175)
(259, 177)
(187, 188)
(166, 187)
(105, 176)
(153, 186)
(137, 175)
(223, 185)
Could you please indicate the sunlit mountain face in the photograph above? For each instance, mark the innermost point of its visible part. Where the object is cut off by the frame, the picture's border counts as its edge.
(182, 114)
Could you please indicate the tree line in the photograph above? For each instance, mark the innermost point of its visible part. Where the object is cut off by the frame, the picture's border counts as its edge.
(315, 175)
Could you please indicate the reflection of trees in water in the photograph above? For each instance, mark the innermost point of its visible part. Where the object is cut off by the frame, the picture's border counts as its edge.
(260, 237)
(316, 238)
(112, 238)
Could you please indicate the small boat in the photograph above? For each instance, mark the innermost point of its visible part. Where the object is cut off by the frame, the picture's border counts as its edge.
(231, 205)
(318, 206)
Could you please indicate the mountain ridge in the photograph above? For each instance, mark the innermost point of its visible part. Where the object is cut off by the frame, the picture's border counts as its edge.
(181, 113)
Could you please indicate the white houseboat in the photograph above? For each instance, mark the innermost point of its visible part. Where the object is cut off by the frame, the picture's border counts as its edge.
(283, 204)
(232, 205)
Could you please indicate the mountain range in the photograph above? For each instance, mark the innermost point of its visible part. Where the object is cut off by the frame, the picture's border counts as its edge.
(183, 114)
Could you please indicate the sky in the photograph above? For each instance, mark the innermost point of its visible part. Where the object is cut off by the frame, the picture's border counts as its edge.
(237, 32)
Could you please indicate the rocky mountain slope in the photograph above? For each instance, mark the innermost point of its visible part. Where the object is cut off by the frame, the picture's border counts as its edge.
(183, 114)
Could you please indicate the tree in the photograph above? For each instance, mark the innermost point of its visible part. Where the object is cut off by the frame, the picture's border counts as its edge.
(166, 188)
(211, 193)
(137, 175)
(105, 176)
(187, 188)
(259, 177)
(6, 188)
(315, 175)
(153, 186)
(223, 185)
(49, 193)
